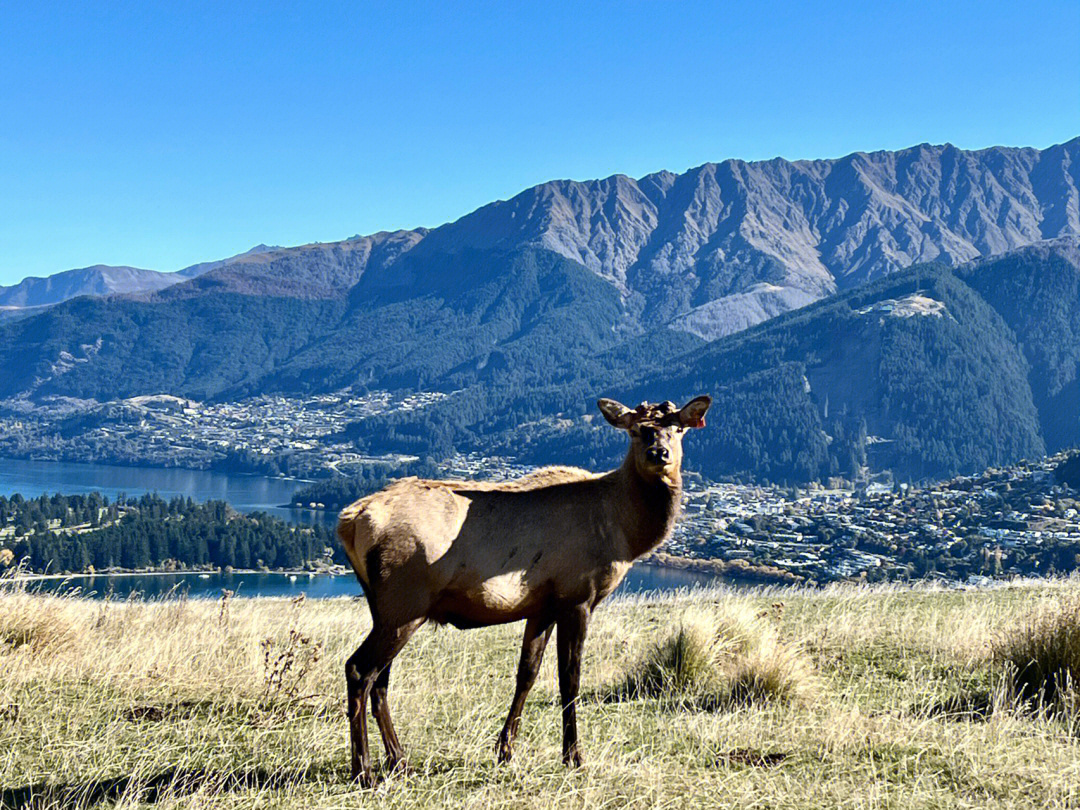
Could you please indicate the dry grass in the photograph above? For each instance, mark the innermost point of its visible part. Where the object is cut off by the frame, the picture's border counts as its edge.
(1041, 658)
(182, 704)
(721, 656)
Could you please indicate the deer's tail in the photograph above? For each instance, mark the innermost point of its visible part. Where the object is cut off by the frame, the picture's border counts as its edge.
(357, 535)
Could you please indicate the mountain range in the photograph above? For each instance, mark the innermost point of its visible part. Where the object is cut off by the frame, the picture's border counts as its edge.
(712, 250)
(31, 295)
(668, 284)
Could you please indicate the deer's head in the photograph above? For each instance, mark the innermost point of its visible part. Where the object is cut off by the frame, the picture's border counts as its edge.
(656, 432)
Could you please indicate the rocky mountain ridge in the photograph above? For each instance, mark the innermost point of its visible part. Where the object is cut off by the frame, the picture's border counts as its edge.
(721, 246)
(677, 242)
(33, 294)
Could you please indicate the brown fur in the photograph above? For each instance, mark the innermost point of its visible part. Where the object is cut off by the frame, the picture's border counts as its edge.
(546, 548)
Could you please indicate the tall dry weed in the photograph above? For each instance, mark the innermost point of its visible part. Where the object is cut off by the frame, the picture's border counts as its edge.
(722, 656)
(1041, 658)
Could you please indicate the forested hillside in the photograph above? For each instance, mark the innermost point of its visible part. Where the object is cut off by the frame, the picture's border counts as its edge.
(484, 318)
(929, 372)
(197, 347)
(61, 533)
(916, 371)
(1037, 293)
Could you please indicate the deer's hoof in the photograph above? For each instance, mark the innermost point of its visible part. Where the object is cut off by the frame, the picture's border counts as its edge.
(504, 751)
(399, 766)
(573, 758)
(363, 779)
(361, 773)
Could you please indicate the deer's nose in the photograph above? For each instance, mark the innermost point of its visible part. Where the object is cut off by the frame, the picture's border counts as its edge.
(658, 455)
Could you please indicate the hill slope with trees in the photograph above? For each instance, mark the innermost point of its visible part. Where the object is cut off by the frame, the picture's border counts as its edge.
(525, 310)
(928, 372)
(75, 533)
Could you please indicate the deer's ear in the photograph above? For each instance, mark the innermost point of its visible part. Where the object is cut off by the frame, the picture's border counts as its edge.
(692, 414)
(615, 412)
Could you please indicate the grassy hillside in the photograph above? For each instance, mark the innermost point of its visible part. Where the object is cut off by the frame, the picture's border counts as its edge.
(893, 703)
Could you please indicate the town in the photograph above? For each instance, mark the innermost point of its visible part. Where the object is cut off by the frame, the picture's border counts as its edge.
(271, 435)
(1020, 520)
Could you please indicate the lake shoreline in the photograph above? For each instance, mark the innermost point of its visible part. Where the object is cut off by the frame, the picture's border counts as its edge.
(148, 464)
(644, 577)
(178, 572)
(717, 568)
(245, 492)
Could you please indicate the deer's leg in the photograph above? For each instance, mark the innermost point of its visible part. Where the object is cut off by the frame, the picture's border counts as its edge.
(355, 669)
(537, 633)
(572, 628)
(361, 671)
(380, 710)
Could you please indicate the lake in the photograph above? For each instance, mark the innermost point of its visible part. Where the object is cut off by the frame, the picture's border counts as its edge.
(247, 493)
(641, 579)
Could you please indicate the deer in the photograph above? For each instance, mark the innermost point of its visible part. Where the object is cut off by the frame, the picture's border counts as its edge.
(546, 548)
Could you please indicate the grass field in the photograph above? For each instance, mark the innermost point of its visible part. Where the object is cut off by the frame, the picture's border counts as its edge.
(893, 699)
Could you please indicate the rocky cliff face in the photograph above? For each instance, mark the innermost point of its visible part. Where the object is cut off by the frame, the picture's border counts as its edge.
(722, 246)
(710, 237)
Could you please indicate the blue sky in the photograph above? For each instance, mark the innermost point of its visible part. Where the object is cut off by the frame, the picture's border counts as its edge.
(161, 134)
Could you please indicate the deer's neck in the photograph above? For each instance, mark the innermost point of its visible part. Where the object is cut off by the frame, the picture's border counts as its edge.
(647, 508)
